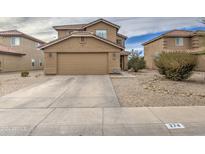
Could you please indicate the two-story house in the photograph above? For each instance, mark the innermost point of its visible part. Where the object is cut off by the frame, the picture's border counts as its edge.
(19, 52)
(92, 48)
(176, 40)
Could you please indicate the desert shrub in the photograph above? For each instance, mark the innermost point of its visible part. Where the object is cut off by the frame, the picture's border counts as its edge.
(136, 63)
(24, 74)
(176, 65)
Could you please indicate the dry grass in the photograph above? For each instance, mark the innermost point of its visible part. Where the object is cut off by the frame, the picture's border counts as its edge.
(149, 88)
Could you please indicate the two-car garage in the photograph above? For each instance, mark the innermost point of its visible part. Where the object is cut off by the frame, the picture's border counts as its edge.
(72, 56)
(82, 63)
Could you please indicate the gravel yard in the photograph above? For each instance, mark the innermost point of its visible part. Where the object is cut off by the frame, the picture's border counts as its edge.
(149, 88)
(10, 82)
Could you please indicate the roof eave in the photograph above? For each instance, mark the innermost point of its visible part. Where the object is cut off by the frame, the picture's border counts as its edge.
(12, 53)
(122, 35)
(77, 35)
(68, 28)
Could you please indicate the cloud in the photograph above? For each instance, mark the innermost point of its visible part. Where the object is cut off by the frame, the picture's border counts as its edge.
(42, 27)
(39, 27)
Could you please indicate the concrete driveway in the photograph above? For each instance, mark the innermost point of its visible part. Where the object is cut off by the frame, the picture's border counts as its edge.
(64, 91)
(87, 105)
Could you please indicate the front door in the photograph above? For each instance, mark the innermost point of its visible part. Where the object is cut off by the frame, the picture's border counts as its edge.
(122, 62)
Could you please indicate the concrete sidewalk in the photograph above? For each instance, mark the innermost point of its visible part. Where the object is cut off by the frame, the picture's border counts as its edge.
(102, 121)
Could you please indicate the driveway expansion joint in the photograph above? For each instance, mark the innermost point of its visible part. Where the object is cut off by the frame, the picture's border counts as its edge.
(30, 133)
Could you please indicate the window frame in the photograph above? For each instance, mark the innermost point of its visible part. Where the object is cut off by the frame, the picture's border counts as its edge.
(14, 39)
(40, 62)
(33, 61)
(97, 31)
(119, 40)
(179, 43)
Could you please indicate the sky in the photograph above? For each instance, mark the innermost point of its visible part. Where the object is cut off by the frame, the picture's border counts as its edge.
(138, 29)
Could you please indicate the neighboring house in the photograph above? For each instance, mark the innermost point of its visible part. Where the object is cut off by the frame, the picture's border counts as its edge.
(19, 52)
(93, 48)
(176, 40)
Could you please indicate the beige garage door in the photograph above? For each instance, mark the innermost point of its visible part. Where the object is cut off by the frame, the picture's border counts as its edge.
(82, 63)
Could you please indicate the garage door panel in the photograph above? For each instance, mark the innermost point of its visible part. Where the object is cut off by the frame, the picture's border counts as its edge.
(82, 63)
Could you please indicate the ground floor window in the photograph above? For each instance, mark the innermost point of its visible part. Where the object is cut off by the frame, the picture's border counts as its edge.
(40, 63)
(33, 62)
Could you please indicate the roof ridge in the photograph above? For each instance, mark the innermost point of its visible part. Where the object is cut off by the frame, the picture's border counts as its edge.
(70, 25)
(12, 30)
(84, 25)
(19, 33)
(164, 34)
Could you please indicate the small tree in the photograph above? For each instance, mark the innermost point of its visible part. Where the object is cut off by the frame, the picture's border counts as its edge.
(135, 62)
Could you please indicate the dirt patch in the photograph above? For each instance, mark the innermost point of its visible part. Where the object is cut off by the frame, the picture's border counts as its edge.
(149, 88)
(10, 82)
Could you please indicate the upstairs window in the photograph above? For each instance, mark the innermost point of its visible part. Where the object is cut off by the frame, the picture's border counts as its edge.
(15, 41)
(119, 41)
(179, 41)
(102, 33)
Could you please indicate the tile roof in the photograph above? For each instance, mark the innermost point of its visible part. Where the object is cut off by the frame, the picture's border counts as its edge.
(172, 33)
(121, 35)
(79, 34)
(74, 26)
(82, 26)
(8, 50)
(18, 33)
(102, 20)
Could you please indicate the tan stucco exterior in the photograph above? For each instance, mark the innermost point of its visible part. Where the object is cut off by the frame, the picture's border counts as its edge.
(21, 63)
(111, 31)
(151, 50)
(166, 43)
(10, 63)
(120, 38)
(62, 33)
(201, 63)
(94, 55)
(73, 46)
(169, 43)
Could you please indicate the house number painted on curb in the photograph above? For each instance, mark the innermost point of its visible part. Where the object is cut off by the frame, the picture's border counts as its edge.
(174, 125)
